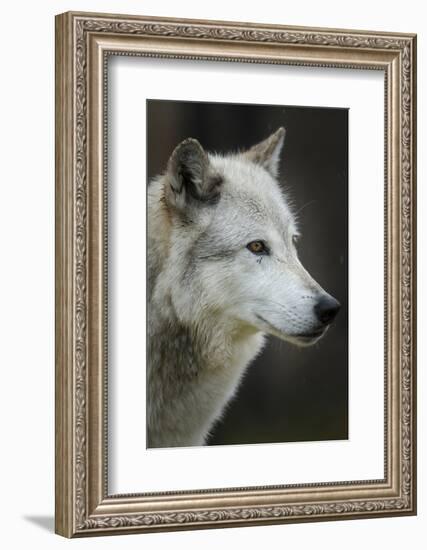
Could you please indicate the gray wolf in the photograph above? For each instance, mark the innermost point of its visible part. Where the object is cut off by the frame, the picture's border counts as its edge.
(223, 272)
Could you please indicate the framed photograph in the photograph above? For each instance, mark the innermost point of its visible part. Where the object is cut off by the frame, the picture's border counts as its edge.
(235, 274)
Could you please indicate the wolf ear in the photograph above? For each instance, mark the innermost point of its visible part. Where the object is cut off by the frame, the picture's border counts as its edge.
(190, 176)
(267, 152)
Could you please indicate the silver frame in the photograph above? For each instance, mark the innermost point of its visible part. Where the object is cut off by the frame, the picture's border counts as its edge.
(83, 43)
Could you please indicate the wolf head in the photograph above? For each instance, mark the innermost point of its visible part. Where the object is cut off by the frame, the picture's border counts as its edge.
(232, 247)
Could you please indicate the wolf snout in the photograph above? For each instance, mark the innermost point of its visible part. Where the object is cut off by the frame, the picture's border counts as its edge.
(326, 309)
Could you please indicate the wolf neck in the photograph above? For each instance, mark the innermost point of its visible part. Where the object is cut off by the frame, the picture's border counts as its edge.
(193, 368)
(193, 372)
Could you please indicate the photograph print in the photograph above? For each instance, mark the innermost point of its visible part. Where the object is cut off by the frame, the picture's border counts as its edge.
(247, 255)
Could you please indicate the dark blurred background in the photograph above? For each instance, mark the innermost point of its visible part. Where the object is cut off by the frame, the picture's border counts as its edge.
(288, 393)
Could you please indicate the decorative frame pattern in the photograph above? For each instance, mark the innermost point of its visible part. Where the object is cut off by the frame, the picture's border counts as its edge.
(83, 42)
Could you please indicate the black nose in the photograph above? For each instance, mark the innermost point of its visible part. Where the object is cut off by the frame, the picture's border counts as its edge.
(326, 309)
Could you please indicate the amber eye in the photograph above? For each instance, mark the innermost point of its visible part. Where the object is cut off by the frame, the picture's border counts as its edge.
(257, 247)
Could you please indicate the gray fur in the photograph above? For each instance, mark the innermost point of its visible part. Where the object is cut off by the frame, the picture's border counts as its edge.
(211, 300)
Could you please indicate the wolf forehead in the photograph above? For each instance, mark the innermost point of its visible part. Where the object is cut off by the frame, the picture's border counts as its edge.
(249, 190)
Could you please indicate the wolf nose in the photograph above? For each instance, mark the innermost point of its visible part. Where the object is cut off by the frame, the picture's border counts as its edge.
(326, 309)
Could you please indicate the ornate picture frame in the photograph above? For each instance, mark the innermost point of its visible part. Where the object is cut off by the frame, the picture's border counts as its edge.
(84, 42)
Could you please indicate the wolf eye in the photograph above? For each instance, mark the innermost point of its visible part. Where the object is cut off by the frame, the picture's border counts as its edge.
(257, 247)
(295, 239)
